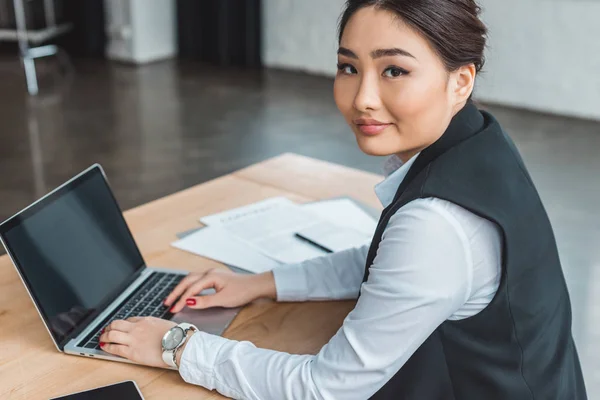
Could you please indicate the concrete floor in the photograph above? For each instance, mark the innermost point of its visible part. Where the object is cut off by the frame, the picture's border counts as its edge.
(167, 126)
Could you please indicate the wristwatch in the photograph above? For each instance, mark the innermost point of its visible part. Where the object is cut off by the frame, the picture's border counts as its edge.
(173, 340)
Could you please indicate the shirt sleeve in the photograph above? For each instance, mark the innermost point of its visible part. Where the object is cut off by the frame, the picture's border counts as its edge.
(419, 278)
(336, 276)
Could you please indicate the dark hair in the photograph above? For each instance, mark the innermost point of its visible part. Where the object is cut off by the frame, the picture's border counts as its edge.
(452, 27)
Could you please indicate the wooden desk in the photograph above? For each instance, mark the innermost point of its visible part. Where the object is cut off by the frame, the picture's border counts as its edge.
(31, 367)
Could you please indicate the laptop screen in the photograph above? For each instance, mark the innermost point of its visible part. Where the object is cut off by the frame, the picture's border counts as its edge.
(74, 251)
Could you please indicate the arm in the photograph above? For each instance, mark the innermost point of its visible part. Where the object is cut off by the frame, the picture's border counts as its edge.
(332, 277)
(419, 278)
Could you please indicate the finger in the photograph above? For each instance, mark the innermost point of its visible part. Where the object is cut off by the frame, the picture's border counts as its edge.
(115, 337)
(120, 325)
(202, 302)
(134, 320)
(116, 349)
(192, 291)
(188, 297)
(180, 288)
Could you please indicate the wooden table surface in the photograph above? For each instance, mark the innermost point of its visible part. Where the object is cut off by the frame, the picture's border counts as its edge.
(31, 367)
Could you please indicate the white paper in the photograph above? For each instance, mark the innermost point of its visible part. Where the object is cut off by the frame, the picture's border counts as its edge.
(216, 243)
(234, 214)
(343, 212)
(334, 237)
(270, 227)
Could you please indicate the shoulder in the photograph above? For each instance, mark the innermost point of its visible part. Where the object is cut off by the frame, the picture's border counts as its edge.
(435, 214)
(434, 225)
(425, 247)
(430, 215)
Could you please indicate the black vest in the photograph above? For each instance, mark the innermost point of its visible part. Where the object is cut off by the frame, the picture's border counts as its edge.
(520, 346)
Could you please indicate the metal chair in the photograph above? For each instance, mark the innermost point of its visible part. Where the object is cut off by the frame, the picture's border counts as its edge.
(26, 38)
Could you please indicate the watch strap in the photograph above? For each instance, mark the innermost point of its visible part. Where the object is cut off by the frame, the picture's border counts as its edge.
(187, 328)
(170, 356)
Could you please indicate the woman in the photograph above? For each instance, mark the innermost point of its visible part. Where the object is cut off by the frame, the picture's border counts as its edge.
(463, 295)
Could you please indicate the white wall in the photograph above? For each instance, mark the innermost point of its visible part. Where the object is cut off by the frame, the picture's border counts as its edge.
(543, 54)
(301, 34)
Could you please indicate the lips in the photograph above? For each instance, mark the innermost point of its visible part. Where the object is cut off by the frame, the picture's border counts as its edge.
(371, 127)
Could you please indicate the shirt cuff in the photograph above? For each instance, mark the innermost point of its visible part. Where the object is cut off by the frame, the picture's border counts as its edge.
(290, 283)
(199, 357)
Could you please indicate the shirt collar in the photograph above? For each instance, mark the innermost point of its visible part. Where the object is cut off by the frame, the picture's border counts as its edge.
(395, 172)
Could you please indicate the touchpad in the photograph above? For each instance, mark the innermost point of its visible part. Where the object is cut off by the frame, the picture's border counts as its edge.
(211, 320)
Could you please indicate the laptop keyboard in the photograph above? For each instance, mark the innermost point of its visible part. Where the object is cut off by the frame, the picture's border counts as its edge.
(147, 301)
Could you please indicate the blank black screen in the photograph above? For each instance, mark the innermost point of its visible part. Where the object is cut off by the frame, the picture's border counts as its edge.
(74, 250)
(120, 391)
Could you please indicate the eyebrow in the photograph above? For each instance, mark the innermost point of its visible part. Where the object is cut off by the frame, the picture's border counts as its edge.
(376, 53)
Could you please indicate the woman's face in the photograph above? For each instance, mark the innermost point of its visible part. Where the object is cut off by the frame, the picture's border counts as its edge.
(392, 88)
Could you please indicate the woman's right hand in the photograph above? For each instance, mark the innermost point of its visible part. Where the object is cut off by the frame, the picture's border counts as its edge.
(232, 290)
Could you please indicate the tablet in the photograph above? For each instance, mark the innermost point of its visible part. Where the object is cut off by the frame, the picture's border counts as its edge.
(119, 391)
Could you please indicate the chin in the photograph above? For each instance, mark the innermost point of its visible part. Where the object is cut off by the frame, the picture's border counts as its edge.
(374, 147)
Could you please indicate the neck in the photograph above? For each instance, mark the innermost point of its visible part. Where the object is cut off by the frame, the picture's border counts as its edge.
(405, 156)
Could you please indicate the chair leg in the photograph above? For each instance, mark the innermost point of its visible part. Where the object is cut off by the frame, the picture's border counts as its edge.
(30, 75)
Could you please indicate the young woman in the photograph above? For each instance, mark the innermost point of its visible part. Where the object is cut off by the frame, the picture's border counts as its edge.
(461, 294)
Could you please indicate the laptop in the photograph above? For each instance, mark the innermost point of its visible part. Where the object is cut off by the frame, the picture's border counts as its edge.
(82, 268)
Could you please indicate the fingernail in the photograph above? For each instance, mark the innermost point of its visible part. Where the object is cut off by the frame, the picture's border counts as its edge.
(172, 309)
(190, 302)
(102, 331)
(102, 344)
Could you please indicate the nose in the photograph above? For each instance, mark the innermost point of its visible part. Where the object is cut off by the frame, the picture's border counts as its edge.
(367, 98)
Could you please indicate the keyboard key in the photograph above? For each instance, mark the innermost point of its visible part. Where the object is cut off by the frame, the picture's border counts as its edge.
(156, 303)
(161, 309)
(138, 296)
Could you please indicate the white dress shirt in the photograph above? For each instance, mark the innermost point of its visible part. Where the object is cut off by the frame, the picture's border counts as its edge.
(436, 262)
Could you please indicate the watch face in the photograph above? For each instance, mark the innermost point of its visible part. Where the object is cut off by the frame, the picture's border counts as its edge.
(173, 338)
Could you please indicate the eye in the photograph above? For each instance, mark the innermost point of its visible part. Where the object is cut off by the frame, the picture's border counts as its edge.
(346, 69)
(394, 72)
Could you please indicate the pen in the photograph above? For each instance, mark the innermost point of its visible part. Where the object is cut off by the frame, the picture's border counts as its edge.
(317, 245)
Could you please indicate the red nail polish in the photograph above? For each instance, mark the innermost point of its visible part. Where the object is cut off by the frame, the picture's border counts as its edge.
(102, 344)
(190, 302)
(102, 331)
(172, 309)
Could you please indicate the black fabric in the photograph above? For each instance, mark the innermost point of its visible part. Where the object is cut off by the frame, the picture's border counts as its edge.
(520, 346)
(87, 38)
(220, 32)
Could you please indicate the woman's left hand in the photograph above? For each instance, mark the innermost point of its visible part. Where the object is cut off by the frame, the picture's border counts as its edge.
(137, 339)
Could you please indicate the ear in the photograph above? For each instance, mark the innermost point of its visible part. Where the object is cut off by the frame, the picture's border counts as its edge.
(462, 83)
